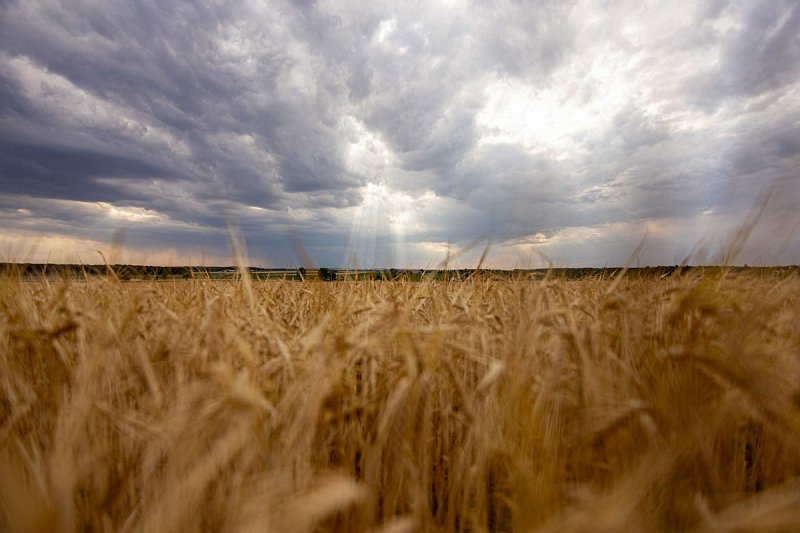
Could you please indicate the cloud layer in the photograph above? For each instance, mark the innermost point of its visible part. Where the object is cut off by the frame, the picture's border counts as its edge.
(380, 132)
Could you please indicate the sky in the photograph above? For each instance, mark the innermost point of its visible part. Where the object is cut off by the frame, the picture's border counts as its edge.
(375, 134)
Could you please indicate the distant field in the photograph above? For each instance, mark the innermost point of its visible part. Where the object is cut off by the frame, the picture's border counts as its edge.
(667, 402)
(122, 272)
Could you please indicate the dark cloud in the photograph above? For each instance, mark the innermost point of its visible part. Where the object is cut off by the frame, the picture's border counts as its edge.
(12, 104)
(52, 172)
(760, 53)
(765, 54)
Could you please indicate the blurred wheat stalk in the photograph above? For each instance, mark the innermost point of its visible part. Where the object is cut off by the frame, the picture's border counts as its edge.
(471, 406)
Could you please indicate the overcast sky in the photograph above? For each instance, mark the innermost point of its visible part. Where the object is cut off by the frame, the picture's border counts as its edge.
(382, 133)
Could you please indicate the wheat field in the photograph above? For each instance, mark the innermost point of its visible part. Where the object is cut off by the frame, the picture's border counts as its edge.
(603, 404)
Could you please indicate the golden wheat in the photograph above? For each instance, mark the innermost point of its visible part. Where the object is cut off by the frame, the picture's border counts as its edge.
(481, 405)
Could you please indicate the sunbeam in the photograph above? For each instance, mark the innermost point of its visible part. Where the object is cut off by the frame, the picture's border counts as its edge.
(380, 228)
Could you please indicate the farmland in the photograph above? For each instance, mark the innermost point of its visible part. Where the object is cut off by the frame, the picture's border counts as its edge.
(604, 403)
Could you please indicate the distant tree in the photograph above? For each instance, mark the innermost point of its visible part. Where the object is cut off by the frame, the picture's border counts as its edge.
(301, 273)
(327, 274)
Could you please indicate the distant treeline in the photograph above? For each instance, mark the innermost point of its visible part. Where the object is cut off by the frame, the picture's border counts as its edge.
(142, 273)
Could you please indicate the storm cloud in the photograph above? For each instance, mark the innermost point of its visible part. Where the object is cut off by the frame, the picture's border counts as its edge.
(384, 133)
